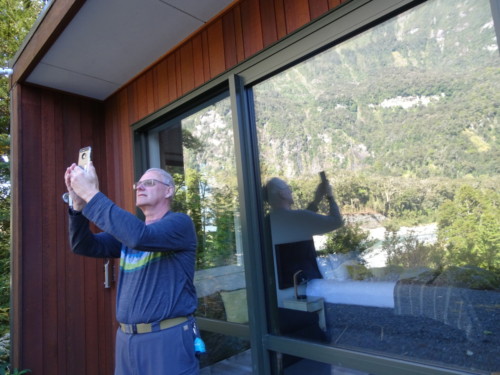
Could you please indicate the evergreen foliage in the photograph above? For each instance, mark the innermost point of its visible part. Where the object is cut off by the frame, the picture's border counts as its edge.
(407, 98)
(348, 239)
(469, 225)
(16, 19)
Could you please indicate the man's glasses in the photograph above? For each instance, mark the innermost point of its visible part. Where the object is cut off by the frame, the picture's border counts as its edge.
(147, 183)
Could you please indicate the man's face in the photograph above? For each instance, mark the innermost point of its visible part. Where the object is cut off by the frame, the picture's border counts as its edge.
(151, 195)
(285, 193)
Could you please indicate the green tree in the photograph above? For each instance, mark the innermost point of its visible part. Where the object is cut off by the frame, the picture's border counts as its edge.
(191, 190)
(4, 235)
(350, 238)
(16, 19)
(220, 247)
(470, 227)
(409, 252)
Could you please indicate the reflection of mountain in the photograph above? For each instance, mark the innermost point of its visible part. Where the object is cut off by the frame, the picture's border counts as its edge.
(417, 95)
(209, 144)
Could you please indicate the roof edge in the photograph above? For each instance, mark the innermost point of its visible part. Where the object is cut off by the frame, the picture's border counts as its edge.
(48, 26)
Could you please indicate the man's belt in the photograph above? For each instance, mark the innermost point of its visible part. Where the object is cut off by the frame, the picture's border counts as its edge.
(152, 327)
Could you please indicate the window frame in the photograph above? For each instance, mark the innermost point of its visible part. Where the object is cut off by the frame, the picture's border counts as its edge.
(336, 26)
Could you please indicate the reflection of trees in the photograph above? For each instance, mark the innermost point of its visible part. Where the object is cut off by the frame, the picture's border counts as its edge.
(467, 212)
(220, 246)
(212, 211)
(189, 141)
(470, 226)
(350, 238)
(403, 200)
(206, 183)
(190, 191)
(409, 252)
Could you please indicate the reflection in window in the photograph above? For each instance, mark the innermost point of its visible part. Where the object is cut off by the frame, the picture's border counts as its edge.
(404, 120)
(199, 152)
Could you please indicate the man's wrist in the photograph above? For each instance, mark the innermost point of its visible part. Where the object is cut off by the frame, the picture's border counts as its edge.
(78, 207)
(74, 212)
(87, 197)
(313, 206)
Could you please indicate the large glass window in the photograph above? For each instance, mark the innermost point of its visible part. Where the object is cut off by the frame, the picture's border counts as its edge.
(401, 257)
(198, 150)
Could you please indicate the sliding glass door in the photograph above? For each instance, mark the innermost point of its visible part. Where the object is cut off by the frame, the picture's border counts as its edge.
(197, 148)
(401, 257)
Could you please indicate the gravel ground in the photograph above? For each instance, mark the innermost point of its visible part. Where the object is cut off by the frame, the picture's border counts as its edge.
(420, 339)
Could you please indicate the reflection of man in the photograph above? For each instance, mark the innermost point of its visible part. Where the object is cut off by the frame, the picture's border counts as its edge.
(156, 296)
(290, 226)
(297, 228)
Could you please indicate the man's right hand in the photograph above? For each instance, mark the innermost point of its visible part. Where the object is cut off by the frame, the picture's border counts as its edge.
(324, 188)
(84, 182)
(78, 203)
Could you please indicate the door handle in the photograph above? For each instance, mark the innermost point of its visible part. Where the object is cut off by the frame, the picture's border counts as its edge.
(107, 282)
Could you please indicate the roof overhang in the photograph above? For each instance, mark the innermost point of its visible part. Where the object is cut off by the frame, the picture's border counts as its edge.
(106, 43)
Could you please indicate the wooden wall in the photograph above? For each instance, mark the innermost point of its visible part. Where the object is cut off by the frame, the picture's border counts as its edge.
(237, 34)
(63, 319)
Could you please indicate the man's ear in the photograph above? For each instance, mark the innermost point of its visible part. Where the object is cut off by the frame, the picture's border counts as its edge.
(169, 194)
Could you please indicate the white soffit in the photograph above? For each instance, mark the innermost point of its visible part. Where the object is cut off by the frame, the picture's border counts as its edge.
(110, 41)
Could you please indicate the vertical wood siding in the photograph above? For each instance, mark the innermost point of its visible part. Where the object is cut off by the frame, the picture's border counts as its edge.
(63, 318)
(237, 34)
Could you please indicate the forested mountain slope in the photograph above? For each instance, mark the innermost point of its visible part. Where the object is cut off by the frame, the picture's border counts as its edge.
(405, 98)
